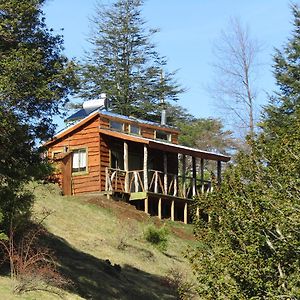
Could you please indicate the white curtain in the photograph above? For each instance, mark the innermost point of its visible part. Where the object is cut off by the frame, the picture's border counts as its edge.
(82, 159)
(76, 160)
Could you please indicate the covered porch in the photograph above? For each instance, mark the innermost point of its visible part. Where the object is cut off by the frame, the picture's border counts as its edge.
(159, 177)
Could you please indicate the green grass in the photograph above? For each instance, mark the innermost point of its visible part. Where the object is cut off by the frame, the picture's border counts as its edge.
(105, 256)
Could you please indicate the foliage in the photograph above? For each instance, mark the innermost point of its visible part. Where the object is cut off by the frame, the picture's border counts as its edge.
(157, 237)
(32, 267)
(124, 62)
(206, 134)
(175, 114)
(250, 247)
(35, 80)
(177, 280)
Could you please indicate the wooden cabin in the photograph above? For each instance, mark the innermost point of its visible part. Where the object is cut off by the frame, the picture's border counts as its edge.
(140, 160)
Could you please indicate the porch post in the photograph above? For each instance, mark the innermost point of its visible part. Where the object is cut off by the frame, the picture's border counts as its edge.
(146, 202)
(106, 179)
(126, 167)
(172, 210)
(183, 174)
(156, 182)
(165, 173)
(219, 171)
(159, 208)
(185, 213)
(202, 174)
(194, 176)
(145, 168)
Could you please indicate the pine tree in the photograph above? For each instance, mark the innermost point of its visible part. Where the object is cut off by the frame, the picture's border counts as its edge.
(250, 247)
(124, 63)
(35, 80)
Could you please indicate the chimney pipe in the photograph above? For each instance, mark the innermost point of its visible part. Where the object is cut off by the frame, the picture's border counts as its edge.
(163, 120)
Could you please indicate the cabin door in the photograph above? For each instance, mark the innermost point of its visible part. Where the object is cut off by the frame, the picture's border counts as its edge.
(66, 171)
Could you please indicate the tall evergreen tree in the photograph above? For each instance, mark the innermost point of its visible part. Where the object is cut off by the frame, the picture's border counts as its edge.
(35, 80)
(250, 247)
(124, 62)
(206, 134)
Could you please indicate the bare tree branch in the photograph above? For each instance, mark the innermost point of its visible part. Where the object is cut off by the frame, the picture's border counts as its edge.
(236, 63)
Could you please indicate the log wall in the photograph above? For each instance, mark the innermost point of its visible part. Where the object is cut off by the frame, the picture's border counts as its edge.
(86, 136)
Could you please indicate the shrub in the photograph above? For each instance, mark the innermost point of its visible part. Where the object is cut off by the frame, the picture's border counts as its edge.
(158, 237)
(178, 281)
(32, 265)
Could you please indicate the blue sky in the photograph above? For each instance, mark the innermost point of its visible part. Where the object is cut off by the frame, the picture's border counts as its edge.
(187, 31)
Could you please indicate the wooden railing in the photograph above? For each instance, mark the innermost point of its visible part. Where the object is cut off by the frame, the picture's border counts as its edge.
(158, 182)
(114, 180)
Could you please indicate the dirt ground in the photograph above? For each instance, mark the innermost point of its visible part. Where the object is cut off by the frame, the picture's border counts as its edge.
(125, 211)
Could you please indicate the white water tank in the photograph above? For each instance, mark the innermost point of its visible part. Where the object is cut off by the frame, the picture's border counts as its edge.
(95, 103)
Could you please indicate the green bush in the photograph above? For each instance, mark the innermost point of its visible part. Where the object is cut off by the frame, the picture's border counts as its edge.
(158, 237)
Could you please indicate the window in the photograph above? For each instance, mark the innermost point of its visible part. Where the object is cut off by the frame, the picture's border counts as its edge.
(55, 154)
(116, 125)
(79, 160)
(134, 129)
(162, 135)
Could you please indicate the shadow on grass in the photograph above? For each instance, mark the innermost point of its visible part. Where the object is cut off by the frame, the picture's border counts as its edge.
(94, 278)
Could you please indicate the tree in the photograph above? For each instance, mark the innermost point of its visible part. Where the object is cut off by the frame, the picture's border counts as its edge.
(35, 80)
(206, 134)
(250, 247)
(124, 63)
(236, 63)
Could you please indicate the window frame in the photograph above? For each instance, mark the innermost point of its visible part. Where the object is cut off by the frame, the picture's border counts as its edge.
(80, 172)
(136, 126)
(54, 153)
(169, 136)
(116, 122)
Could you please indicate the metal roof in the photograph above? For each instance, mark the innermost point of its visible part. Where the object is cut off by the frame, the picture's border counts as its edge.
(83, 113)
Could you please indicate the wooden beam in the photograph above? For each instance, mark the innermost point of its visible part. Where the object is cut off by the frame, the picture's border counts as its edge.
(185, 213)
(156, 182)
(183, 174)
(159, 208)
(136, 181)
(165, 173)
(202, 174)
(106, 179)
(126, 167)
(145, 168)
(146, 202)
(194, 175)
(173, 210)
(175, 185)
(219, 172)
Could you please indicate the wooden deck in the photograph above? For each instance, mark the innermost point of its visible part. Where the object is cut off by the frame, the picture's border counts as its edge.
(157, 183)
(168, 192)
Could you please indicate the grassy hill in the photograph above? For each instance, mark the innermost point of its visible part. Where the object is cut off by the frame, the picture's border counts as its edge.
(99, 245)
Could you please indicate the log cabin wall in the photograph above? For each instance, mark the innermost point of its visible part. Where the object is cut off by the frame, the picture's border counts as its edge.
(104, 160)
(87, 137)
(146, 130)
(147, 133)
(98, 150)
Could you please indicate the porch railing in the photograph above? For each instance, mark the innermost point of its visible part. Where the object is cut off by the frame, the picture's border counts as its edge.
(158, 182)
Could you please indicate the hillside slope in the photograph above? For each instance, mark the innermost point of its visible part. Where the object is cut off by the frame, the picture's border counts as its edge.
(99, 245)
